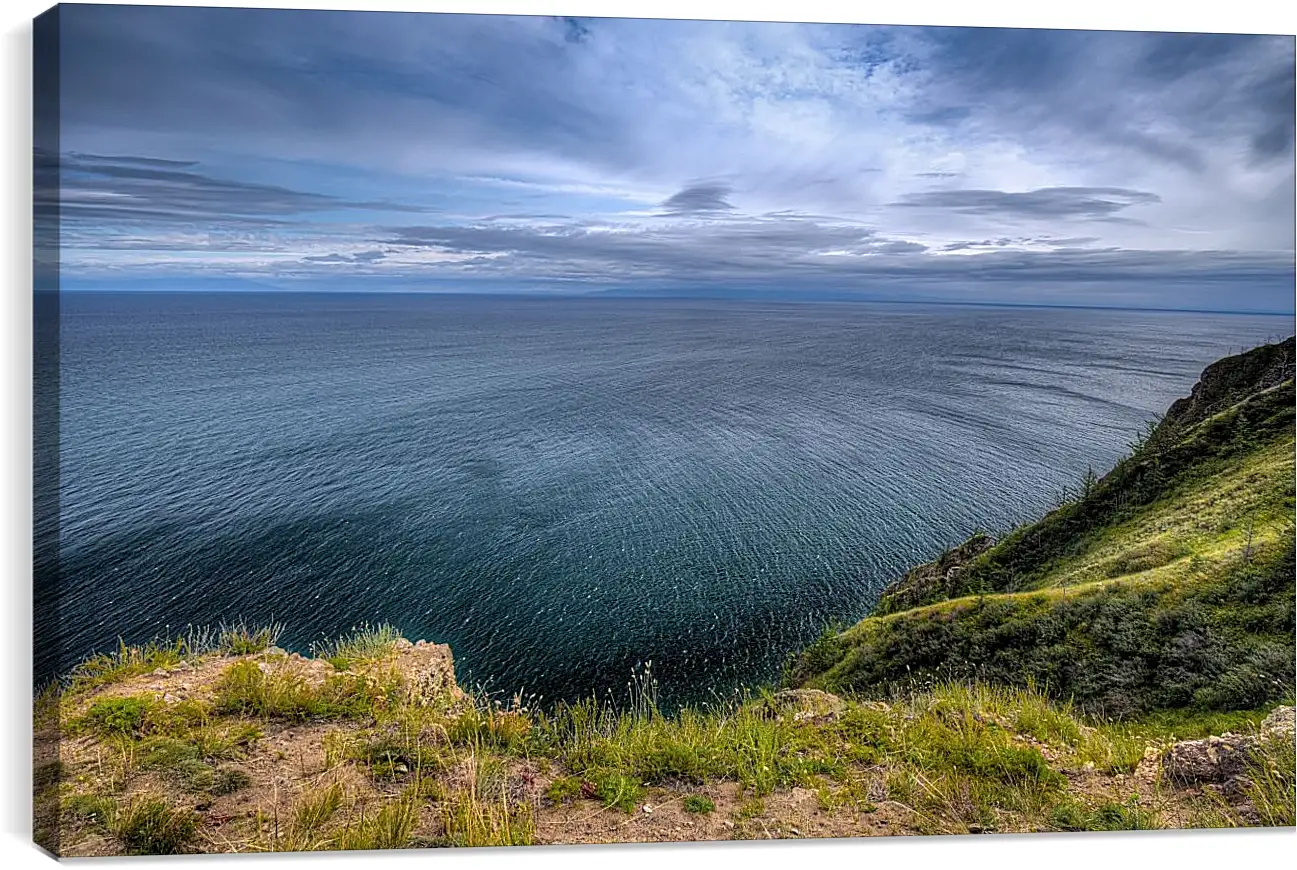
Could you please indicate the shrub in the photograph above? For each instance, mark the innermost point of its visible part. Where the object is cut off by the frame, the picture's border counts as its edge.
(148, 825)
(119, 716)
(696, 803)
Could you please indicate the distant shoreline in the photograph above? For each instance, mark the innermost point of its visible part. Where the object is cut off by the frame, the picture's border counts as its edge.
(615, 296)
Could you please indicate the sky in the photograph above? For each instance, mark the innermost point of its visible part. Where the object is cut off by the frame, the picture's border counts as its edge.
(316, 150)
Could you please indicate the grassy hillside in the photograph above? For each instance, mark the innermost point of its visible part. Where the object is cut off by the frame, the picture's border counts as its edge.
(1168, 583)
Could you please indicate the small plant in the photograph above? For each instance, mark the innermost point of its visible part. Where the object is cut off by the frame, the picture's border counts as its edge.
(697, 803)
(366, 643)
(563, 790)
(315, 808)
(119, 716)
(389, 828)
(472, 821)
(148, 825)
(99, 809)
(228, 780)
(239, 638)
(618, 790)
(165, 753)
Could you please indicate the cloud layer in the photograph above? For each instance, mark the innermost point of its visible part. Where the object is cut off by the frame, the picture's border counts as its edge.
(451, 152)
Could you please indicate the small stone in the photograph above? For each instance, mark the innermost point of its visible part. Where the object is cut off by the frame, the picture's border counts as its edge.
(403, 643)
(161, 672)
(648, 809)
(728, 824)
(795, 832)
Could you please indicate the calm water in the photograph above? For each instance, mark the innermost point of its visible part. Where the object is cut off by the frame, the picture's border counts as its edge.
(562, 489)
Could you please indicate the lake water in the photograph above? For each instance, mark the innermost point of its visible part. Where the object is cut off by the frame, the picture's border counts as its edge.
(562, 489)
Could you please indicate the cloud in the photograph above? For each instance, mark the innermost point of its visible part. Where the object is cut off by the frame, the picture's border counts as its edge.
(362, 257)
(699, 198)
(527, 150)
(99, 191)
(1094, 203)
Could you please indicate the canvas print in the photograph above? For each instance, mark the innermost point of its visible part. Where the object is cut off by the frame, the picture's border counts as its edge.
(478, 430)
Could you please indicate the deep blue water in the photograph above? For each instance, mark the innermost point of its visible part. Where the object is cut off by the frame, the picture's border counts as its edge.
(564, 488)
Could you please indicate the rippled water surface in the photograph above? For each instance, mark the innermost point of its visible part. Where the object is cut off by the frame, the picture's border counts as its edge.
(563, 488)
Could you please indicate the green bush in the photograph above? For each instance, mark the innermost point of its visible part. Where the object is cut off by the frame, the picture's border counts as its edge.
(121, 716)
(697, 803)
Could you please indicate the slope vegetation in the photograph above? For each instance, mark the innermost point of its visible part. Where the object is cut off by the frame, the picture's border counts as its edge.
(1168, 583)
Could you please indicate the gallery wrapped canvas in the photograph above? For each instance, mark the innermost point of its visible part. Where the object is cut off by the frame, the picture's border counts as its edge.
(483, 430)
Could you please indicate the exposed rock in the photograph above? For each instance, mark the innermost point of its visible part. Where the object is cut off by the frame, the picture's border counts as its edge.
(933, 581)
(1210, 760)
(1279, 723)
(803, 704)
(1228, 381)
(429, 669)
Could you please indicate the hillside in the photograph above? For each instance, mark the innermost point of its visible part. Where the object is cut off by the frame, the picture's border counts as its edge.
(1117, 665)
(1167, 583)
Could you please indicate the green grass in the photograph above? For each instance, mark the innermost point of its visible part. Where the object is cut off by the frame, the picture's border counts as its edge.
(274, 690)
(389, 827)
(697, 803)
(1111, 816)
(119, 716)
(241, 638)
(367, 643)
(144, 824)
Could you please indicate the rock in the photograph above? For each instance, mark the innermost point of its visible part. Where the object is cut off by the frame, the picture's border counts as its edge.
(403, 643)
(276, 651)
(162, 672)
(803, 704)
(1279, 723)
(648, 810)
(933, 581)
(429, 671)
(1210, 760)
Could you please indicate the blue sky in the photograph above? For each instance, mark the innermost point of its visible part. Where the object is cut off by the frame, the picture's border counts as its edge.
(368, 151)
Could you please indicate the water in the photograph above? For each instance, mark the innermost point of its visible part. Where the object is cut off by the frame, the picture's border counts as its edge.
(564, 488)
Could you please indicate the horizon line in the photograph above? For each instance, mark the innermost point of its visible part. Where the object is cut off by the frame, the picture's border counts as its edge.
(613, 296)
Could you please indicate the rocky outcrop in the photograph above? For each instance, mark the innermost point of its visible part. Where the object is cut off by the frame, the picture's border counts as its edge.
(428, 669)
(1228, 381)
(933, 581)
(1222, 760)
(801, 705)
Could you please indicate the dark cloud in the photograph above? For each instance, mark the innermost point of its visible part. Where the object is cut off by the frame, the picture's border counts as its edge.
(808, 254)
(127, 159)
(1168, 96)
(454, 81)
(576, 31)
(699, 199)
(102, 191)
(1097, 203)
(362, 257)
